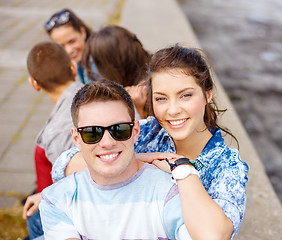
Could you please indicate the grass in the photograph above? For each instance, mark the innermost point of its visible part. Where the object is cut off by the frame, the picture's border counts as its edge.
(12, 226)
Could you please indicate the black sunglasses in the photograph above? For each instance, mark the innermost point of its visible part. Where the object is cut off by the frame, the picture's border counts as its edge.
(59, 18)
(94, 134)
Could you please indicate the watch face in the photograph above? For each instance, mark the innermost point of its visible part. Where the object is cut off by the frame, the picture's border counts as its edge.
(181, 172)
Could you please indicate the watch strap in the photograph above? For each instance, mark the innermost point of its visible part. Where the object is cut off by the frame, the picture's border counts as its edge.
(181, 161)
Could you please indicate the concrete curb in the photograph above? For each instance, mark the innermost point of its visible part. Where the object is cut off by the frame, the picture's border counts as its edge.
(161, 23)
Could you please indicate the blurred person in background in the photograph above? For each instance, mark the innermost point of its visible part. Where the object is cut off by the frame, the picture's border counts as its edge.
(68, 30)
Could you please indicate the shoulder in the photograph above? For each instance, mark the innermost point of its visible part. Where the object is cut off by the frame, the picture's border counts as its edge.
(155, 176)
(153, 138)
(148, 123)
(160, 184)
(160, 187)
(229, 166)
(223, 171)
(229, 159)
(223, 161)
(216, 153)
(60, 118)
(154, 172)
(72, 89)
(221, 165)
(64, 189)
(147, 128)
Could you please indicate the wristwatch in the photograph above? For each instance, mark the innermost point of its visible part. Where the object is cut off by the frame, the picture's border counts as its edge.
(183, 171)
(181, 161)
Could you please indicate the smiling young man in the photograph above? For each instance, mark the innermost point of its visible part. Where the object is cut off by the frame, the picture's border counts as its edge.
(116, 197)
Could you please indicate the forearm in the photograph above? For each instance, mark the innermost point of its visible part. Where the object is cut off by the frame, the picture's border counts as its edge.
(203, 217)
(76, 164)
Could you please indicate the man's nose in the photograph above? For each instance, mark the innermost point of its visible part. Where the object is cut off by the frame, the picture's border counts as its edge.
(107, 140)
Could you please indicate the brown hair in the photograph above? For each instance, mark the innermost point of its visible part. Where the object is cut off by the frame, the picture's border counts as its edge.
(118, 55)
(50, 65)
(192, 63)
(73, 21)
(102, 90)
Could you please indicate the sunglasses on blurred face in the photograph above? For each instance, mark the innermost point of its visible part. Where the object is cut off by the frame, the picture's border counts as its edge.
(57, 19)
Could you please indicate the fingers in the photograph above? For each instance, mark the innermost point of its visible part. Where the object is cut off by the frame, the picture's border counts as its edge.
(31, 205)
(32, 210)
(29, 209)
(145, 157)
(28, 205)
(25, 209)
(169, 156)
(163, 165)
(150, 157)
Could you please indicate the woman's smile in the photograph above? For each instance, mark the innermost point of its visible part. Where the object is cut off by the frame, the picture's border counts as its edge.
(179, 123)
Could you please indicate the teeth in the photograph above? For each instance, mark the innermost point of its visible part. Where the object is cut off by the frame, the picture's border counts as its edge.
(109, 156)
(74, 54)
(178, 122)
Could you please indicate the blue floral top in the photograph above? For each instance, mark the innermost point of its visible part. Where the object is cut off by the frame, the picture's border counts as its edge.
(222, 172)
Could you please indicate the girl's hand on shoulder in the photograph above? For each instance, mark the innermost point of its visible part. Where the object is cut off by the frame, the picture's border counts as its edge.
(163, 165)
(158, 159)
(150, 157)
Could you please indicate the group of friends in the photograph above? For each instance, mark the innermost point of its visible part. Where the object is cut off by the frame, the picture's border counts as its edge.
(132, 148)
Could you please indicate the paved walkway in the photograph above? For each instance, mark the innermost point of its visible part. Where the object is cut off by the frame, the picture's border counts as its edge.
(22, 110)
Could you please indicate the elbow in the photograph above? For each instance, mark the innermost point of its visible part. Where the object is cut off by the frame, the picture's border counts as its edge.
(214, 236)
(223, 232)
(224, 235)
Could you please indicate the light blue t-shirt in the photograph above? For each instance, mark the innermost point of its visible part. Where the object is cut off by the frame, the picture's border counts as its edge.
(146, 206)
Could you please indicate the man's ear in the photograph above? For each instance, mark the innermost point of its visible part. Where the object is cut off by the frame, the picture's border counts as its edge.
(73, 68)
(136, 130)
(34, 84)
(209, 95)
(76, 137)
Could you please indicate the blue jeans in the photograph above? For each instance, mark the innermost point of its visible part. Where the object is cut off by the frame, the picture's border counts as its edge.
(34, 226)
